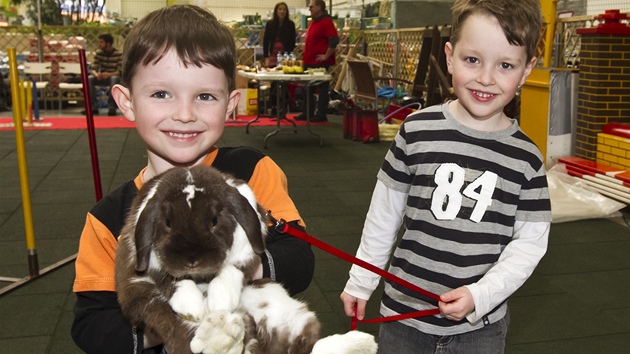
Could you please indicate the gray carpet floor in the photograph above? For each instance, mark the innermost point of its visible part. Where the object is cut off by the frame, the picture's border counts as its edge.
(576, 301)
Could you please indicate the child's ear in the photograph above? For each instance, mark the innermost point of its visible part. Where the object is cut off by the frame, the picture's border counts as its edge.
(528, 70)
(122, 96)
(235, 97)
(448, 50)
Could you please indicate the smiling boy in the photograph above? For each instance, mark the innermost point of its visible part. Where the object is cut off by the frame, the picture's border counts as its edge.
(178, 86)
(469, 187)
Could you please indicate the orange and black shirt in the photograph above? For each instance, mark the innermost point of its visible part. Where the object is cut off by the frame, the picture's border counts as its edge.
(99, 325)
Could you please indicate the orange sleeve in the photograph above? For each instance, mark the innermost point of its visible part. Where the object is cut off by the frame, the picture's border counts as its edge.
(96, 260)
(271, 189)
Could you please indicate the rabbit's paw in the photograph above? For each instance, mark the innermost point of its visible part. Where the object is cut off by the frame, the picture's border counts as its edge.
(188, 301)
(353, 342)
(221, 332)
(224, 291)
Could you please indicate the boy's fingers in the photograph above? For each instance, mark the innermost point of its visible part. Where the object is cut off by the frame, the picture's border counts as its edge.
(452, 295)
(447, 297)
(352, 305)
(348, 304)
(348, 308)
(361, 309)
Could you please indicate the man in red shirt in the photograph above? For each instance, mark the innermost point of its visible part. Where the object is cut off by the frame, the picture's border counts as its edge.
(319, 52)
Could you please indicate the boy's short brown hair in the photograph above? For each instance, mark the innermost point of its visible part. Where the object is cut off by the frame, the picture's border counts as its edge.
(521, 20)
(197, 36)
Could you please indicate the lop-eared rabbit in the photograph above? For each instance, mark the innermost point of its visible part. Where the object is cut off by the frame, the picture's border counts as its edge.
(184, 268)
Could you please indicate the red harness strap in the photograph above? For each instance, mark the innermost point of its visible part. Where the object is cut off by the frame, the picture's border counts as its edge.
(284, 227)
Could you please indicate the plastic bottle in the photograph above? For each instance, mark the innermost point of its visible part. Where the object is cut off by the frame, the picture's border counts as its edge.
(399, 91)
(279, 59)
(286, 59)
(291, 59)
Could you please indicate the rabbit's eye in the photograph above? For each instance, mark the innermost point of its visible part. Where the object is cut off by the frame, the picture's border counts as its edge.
(168, 223)
(214, 221)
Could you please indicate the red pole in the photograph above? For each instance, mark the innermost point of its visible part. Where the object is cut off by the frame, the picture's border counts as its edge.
(90, 124)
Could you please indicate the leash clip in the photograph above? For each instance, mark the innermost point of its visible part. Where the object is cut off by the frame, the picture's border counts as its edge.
(278, 224)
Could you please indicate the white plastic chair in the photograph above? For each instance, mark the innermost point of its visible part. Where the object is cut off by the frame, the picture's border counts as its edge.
(41, 69)
(69, 68)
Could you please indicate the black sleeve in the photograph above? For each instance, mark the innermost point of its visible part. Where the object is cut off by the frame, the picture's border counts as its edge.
(267, 40)
(292, 260)
(99, 326)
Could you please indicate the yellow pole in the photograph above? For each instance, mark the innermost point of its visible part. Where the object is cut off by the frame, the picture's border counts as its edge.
(21, 102)
(33, 265)
(29, 101)
(548, 8)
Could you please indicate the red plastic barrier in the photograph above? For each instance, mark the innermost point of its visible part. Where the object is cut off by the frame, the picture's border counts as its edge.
(617, 129)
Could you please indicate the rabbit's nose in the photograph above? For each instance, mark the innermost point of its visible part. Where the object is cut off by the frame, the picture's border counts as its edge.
(193, 263)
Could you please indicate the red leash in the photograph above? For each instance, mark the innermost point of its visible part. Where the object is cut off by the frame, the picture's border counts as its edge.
(284, 227)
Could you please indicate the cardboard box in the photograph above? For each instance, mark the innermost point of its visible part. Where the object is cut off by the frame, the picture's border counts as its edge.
(241, 82)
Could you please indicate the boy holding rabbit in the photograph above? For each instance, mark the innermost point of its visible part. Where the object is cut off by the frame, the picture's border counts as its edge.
(178, 86)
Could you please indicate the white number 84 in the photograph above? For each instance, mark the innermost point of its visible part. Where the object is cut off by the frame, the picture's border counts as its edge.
(447, 198)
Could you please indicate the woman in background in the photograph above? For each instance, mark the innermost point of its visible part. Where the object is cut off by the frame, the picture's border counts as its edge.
(279, 35)
(279, 38)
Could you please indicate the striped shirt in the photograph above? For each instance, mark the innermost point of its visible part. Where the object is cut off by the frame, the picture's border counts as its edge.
(465, 191)
(107, 62)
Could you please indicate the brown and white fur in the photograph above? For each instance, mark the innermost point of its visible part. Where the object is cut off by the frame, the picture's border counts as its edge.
(184, 269)
(187, 226)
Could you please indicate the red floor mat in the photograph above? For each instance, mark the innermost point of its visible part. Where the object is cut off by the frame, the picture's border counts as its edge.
(67, 123)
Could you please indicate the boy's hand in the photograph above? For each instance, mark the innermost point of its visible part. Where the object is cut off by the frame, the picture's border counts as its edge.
(456, 304)
(348, 305)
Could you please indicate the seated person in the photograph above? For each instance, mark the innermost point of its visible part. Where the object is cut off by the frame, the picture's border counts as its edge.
(105, 71)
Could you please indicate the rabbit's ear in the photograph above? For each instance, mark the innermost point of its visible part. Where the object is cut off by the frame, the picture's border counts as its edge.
(249, 220)
(146, 227)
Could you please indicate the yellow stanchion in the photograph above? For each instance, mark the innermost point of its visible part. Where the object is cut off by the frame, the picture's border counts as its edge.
(28, 89)
(20, 99)
(33, 264)
(24, 102)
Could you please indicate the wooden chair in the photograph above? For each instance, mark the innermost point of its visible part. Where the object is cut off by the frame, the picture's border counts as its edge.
(364, 81)
(431, 82)
(366, 84)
